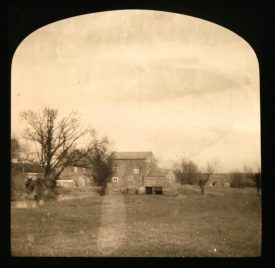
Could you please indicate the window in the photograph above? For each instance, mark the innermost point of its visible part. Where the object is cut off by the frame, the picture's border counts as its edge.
(136, 170)
(75, 169)
(115, 169)
(130, 178)
(115, 179)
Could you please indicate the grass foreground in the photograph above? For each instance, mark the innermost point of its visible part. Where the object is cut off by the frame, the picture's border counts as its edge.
(185, 225)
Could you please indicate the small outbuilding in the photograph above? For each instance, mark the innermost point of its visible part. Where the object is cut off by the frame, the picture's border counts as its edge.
(160, 181)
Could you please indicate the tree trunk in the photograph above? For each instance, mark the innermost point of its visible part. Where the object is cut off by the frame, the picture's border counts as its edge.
(45, 193)
(45, 188)
(103, 188)
(202, 189)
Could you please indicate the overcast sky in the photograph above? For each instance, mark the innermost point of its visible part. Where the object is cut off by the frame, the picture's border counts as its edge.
(152, 81)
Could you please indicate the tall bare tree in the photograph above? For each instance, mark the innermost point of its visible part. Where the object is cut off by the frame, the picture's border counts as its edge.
(204, 177)
(99, 156)
(255, 176)
(54, 141)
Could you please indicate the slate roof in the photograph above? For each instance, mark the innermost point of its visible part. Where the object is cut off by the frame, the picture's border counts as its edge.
(131, 155)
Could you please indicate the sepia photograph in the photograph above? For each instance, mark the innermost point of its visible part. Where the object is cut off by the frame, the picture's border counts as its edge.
(135, 133)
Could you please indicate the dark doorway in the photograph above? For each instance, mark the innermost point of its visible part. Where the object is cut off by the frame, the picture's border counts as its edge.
(158, 190)
(154, 190)
(148, 190)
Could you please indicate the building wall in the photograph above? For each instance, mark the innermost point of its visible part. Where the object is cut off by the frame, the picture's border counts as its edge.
(124, 170)
(66, 183)
(219, 179)
(171, 176)
(79, 175)
(170, 186)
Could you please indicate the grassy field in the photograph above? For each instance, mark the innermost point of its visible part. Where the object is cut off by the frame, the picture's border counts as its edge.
(226, 224)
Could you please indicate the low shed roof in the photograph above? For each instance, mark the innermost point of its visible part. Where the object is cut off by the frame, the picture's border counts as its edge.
(154, 181)
(158, 172)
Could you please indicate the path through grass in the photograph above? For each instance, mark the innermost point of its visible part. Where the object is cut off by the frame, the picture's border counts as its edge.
(112, 224)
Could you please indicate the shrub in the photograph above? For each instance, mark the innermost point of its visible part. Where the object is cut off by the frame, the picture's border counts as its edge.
(187, 172)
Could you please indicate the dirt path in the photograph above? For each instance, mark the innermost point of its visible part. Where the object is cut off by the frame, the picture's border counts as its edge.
(113, 224)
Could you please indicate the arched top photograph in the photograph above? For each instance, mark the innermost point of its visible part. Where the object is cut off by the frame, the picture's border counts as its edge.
(115, 110)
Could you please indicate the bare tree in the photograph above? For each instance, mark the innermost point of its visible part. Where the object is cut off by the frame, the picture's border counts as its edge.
(99, 156)
(204, 178)
(255, 176)
(54, 141)
(187, 172)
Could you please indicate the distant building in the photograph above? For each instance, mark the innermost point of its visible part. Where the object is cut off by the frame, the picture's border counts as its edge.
(74, 176)
(137, 171)
(219, 179)
(34, 175)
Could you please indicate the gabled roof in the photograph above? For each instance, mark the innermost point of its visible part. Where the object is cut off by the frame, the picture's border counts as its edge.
(131, 155)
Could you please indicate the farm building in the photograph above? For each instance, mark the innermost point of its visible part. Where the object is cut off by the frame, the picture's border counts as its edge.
(160, 181)
(74, 176)
(137, 171)
(219, 179)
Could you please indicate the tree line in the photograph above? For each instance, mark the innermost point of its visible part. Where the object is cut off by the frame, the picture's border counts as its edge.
(55, 143)
(188, 172)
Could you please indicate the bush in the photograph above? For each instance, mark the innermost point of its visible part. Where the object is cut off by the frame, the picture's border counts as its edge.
(187, 172)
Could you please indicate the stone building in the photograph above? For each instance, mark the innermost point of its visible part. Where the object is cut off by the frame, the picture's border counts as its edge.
(138, 172)
(74, 176)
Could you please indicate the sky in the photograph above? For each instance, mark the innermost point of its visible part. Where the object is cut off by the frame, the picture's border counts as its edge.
(176, 85)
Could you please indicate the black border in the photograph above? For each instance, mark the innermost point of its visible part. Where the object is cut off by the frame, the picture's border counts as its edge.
(252, 22)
